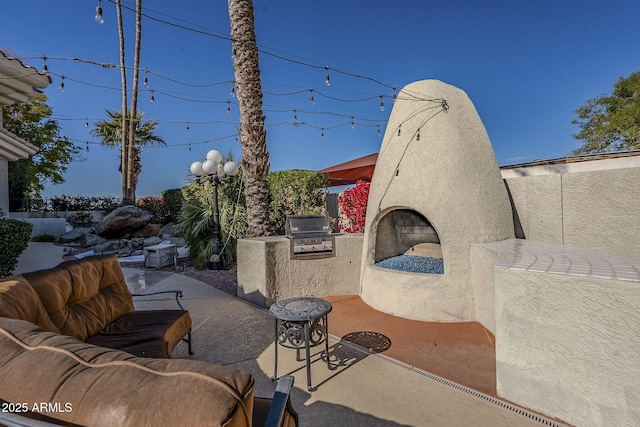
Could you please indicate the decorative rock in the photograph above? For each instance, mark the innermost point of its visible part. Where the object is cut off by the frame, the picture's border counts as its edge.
(413, 264)
(150, 241)
(168, 230)
(148, 230)
(109, 247)
(87, 240)
(123, 221)
(75, 234)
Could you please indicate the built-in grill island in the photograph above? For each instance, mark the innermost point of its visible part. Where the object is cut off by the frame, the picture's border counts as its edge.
(310, 237)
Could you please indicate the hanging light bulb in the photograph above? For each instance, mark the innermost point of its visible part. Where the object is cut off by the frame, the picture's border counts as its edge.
(322, 135)
(188, 128)
(445, 106)
(99, 19)
(418, 135)
(327, 79)
(378, 130)
(87, 146)
(189, 147)
(232, 92)
(353, 125)
(61, 87)
(233, 54)
(295, 118)
(86, 122)
(399, 129)
(45, 69)
(153, 98)
(146, 80)
(395, 95)
(381, 104)
(228, 107)
(313, 101)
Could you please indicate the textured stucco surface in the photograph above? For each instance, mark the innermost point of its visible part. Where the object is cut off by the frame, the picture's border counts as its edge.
(267, 274)
(4, 183)
(595, 209)
(482, 261)
(568, 346)
(450, 176)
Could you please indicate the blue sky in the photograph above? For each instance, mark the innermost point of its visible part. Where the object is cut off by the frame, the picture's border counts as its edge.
(525, 65)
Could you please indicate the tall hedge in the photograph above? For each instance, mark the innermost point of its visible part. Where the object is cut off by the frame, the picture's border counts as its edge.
(14, 237)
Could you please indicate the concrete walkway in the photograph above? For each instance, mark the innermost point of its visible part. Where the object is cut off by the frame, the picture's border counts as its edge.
(361, 388)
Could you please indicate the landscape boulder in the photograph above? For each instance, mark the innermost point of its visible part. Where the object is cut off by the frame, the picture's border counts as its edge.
(75, 234)
(123, 221)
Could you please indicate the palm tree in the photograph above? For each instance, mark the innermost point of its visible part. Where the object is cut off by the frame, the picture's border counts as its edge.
(253, 136)
(110, 133)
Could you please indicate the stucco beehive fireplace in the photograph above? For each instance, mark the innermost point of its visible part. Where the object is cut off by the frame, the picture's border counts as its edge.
(436, 181)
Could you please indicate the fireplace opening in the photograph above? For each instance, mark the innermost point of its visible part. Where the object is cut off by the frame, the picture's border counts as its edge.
(406, 241)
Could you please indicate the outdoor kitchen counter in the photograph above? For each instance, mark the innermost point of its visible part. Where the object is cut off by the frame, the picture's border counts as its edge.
(266, 272)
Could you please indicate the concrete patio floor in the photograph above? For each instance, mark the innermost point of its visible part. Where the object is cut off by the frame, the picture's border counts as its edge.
(362, 388)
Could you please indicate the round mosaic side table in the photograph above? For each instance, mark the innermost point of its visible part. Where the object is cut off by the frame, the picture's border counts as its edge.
(301, 323)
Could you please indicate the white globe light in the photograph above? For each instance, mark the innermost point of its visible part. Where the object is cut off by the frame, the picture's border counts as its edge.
(231, 168)
(215, 156)
(196, 169)
(220, 171)
(210, 167)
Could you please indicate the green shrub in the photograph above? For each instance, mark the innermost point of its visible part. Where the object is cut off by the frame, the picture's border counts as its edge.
(80, 219)
(173, 202)
(14, 238)
(155, 206)
(44, 238)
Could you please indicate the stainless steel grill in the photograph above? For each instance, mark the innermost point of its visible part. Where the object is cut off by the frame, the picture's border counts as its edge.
(310, 237)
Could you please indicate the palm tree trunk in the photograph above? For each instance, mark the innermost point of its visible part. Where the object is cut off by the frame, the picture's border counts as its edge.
(131, 185)
(123, 76)
(253, 136)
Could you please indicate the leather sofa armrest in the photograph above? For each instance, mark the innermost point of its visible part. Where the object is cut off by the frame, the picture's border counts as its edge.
(179, 294)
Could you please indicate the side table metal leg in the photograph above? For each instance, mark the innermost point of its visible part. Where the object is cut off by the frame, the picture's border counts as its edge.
(308, 350)
(275, 364)
(326, 339)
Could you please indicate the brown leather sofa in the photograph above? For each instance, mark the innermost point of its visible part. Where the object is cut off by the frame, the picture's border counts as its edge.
(88, 299)
(61, 335)
(55, 379)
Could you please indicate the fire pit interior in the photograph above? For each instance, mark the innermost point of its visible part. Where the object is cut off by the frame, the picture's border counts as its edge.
(406, 241)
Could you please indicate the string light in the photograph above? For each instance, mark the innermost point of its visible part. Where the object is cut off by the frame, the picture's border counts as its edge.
(378, 130)
(189, 147)
(45, 69)
(353, 125)
(99, 18)
(228, 107)
(322, 135)
(153, 98)
(61, 87)
(146, 80)
(87, 146)
(395, 95)
(327, 79)
(188, 128)
(399, 129)
(418, 135)
(445, 106)
(86, 122)
(295, 118)
(232, 92)
(381, 104)
(313, 101)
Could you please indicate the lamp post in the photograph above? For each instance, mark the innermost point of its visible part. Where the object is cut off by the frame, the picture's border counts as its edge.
(213, 169)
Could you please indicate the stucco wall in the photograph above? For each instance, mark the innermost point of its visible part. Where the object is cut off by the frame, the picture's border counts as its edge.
(267, 274)
(568, 346)
(4, 183)
(595, 209)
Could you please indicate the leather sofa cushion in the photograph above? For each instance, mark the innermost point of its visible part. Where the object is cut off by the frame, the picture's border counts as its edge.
(144, 326)
(83, 296)
(109, 387)
(18, 300)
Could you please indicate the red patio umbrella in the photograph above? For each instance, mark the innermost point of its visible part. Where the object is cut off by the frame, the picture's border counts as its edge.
(348, 173)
